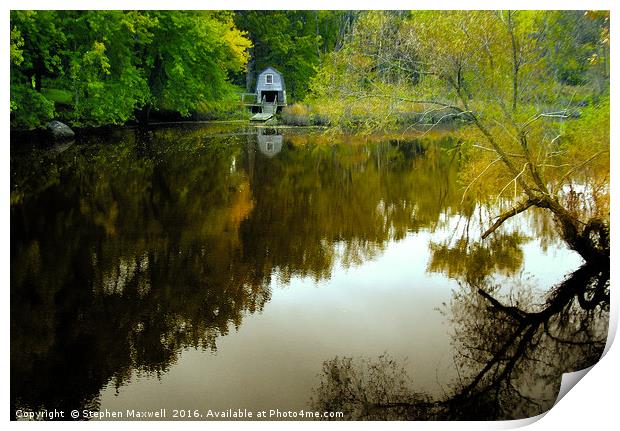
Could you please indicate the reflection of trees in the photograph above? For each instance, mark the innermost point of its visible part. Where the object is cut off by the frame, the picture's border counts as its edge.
(474, 261)
(165, 239)
(356, 195)
(521, 348)
(510, 354)
(121, 267)
(461, 255)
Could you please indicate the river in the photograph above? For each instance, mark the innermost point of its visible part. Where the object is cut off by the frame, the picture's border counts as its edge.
(214, 267)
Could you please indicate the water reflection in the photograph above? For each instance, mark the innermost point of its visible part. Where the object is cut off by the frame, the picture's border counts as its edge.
(132, 254)
(131, 246)
(269, 142)
(512, 338)
(510, 355)
(474, 261)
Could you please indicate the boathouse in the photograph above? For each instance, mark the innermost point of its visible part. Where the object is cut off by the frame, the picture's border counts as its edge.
(270, 87)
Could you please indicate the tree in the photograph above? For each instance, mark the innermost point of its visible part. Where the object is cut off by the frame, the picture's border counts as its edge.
(370, 63)
(103, 73)
(35, 53)
(503, 90)
(101, 67)
(294, 42)
(188, 62)
(490, 69)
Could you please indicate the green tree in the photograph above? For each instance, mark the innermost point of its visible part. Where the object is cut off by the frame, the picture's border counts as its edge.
(36, 42)
(188, 62)
(293, 42)
(103, 73)
(103, 66)
(573, 43)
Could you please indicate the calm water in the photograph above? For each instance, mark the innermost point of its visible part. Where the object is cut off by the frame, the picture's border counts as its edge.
(210, 267)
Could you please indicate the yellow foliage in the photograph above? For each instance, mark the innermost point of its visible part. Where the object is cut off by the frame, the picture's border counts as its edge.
(296, 115)
(297, 109)
(242, 205)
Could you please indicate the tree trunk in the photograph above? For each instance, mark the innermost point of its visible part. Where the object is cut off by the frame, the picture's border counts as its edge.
(38, 73)
(515, 61)
(249, 74)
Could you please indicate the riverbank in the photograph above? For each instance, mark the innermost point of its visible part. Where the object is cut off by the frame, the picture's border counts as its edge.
(295, 115)
(41, 137)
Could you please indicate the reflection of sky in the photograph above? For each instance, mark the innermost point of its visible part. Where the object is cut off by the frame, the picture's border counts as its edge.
(549, 268)
(388, 304)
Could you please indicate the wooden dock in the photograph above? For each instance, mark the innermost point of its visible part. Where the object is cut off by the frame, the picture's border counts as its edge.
(261, 116)
(268, 110)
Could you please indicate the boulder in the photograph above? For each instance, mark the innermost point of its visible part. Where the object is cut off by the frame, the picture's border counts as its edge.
(59, 130)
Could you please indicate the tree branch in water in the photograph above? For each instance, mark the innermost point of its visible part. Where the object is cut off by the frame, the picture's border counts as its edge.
(508, 214)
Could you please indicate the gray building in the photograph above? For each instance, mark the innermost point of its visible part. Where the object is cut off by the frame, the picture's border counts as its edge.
(270, 86)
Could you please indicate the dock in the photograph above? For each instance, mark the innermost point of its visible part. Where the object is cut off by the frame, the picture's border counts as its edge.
(268, 110)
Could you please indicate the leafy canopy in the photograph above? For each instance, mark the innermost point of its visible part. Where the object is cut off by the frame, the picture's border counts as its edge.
(117, 63)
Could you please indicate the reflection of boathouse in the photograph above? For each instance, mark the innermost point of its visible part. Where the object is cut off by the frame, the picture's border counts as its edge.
(269, 143)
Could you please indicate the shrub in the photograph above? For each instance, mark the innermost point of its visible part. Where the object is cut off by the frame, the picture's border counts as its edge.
(296, 115)
(29, 108)
(320, 120)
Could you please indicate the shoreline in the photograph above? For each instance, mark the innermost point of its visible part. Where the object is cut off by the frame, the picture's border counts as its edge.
(42, 138)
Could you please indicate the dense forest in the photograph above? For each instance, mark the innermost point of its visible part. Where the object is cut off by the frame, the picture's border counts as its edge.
(92, 68)
(109, 67)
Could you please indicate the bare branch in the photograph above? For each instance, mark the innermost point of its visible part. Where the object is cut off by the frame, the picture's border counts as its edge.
(547, 165)
(498, 148)
(514, 312)
(362, 95)
(491, 149)
(445, 116)
(512, 180)
(508, 214)
(557, 114)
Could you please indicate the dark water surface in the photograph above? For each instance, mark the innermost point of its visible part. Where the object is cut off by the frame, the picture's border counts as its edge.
(210, 267)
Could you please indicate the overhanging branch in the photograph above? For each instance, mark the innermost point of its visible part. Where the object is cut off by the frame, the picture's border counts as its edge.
(510, 213)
